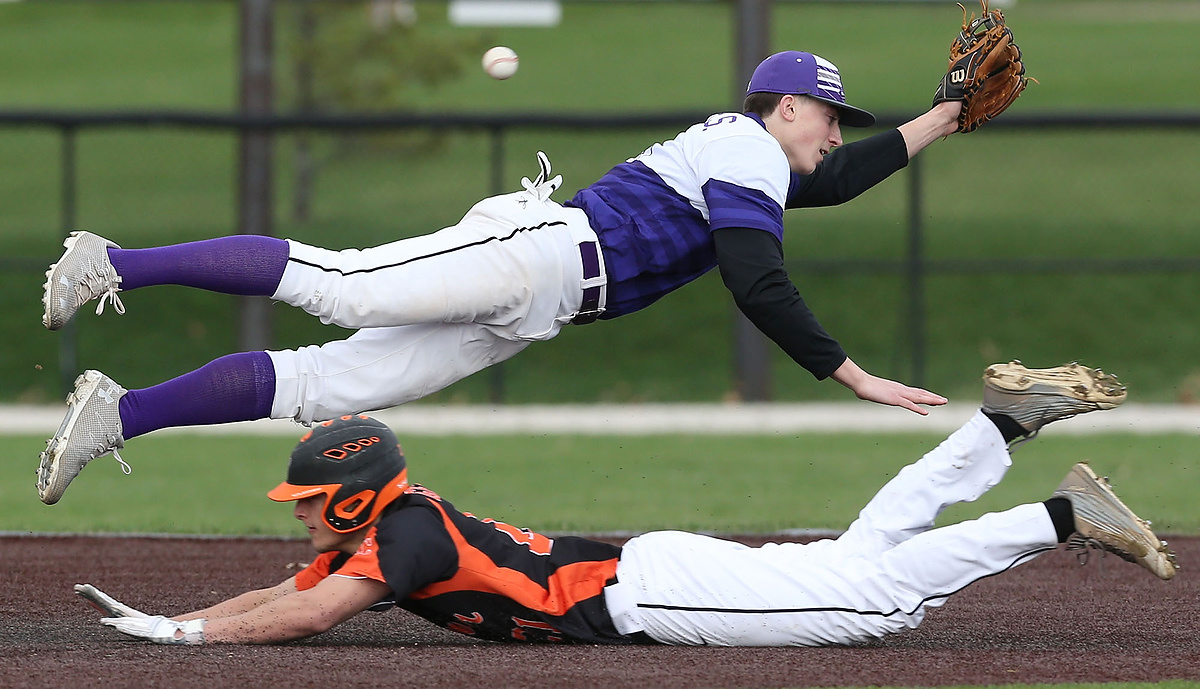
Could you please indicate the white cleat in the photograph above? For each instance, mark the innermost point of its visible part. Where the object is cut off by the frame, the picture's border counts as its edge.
(1034, 397)
(82, 274)
(1102, 521)
(91, 429)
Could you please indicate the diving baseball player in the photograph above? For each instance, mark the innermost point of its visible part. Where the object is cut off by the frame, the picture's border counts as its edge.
(517, 268)
(385, 541)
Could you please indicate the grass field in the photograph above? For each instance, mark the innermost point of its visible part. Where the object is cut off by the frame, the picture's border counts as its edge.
(217, 484)
(1051, 194)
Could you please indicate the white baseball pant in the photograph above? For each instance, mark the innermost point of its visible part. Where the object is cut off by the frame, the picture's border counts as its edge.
(433, 309)
(877, 578)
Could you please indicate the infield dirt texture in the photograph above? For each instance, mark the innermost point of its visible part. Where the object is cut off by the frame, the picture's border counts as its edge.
(1048, 621)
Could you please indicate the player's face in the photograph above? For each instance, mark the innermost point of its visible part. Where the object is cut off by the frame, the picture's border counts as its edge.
(812, 134)
(324, 539)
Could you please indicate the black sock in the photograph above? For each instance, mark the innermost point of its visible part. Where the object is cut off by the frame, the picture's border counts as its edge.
(1011, 430)
(1063, 516)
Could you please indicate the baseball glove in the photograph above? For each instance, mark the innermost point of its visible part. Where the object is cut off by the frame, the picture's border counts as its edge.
(985, 72)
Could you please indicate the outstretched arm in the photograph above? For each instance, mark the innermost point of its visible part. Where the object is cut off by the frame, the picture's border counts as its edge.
(279, 613)
(299, 613)
(853, 168)
(751, 265)
(243, 603)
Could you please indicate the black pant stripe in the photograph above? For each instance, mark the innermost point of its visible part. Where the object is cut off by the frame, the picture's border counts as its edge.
(851, 611)
(397, 264)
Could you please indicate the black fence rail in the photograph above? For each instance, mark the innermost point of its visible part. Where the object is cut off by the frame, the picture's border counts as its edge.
(914, 266)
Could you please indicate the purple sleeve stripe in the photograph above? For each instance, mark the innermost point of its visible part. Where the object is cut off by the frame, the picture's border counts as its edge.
(732, 206)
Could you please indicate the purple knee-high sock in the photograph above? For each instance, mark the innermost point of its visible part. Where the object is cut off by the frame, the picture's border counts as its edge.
(245, 264)
(237, 387)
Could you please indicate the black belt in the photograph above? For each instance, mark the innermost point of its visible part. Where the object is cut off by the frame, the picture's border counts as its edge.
(589, 308)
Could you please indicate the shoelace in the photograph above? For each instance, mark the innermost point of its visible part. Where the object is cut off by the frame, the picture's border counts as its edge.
(110, 395)
(125, 468)
(1012, 446)
(111, 441)
(1083, 543)
(542, 187)
(103, 281)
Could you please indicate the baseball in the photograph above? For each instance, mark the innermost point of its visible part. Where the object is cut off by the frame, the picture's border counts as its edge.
(500, 62)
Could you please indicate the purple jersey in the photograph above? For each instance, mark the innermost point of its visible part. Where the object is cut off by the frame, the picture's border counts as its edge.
(654, 213)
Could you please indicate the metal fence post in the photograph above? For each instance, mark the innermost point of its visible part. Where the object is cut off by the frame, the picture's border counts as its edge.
(255, 183)
(915, 269)
(752, 353)
(68, 340)
(496, 388)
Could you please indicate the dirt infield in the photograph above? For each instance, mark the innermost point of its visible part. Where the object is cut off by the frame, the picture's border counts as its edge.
(1048, 621)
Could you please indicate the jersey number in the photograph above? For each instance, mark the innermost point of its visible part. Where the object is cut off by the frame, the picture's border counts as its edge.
(723, 118)
(537, 543)
(532, 630)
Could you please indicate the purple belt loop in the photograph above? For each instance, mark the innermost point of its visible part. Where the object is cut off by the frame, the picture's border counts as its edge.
(589, 308)
(591, 262)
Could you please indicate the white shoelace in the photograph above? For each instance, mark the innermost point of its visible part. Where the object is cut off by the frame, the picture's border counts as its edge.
(125, 468)
(110, 395)
(106, 284)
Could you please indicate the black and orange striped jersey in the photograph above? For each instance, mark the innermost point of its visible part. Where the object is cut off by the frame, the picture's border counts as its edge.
(482, 577)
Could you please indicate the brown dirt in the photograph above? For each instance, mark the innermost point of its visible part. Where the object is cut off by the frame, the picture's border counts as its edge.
(1048, 621)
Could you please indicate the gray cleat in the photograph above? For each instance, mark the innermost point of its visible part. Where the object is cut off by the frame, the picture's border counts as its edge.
(1034, 397)
(1102, 521)
(82, 274)
(91, 429)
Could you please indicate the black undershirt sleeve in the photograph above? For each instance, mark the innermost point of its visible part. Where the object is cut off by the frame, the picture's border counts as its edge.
(751, 265)
(849, 170)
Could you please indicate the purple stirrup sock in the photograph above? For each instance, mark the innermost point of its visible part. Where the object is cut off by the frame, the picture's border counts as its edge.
(245, 264)
(237, 387)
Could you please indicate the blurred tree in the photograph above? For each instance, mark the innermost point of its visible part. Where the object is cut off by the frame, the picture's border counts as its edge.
(366, 57)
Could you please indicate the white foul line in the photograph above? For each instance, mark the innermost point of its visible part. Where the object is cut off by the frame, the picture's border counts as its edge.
(662, 419)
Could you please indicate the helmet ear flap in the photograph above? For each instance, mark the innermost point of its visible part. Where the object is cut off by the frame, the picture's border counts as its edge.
(349, 513)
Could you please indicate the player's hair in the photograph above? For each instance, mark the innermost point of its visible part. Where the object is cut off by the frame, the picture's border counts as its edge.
(356, 462)
(762, 104)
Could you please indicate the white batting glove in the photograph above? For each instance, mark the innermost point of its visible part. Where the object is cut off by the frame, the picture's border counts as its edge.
(159, 629)
(111, 607)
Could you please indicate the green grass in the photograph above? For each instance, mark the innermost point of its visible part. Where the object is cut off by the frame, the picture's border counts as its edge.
(1170, 684)
(217, 484)
(1092, 193)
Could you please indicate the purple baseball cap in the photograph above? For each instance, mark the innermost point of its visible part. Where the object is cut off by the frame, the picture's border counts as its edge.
(795, 72)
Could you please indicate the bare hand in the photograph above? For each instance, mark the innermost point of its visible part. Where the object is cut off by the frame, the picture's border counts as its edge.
(875, 389)
(883, 391)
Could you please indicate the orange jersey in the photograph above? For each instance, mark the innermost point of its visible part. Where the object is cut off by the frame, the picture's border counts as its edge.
(482, 577)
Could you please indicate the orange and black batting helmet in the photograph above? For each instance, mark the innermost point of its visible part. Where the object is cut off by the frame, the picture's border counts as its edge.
(355, 461)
